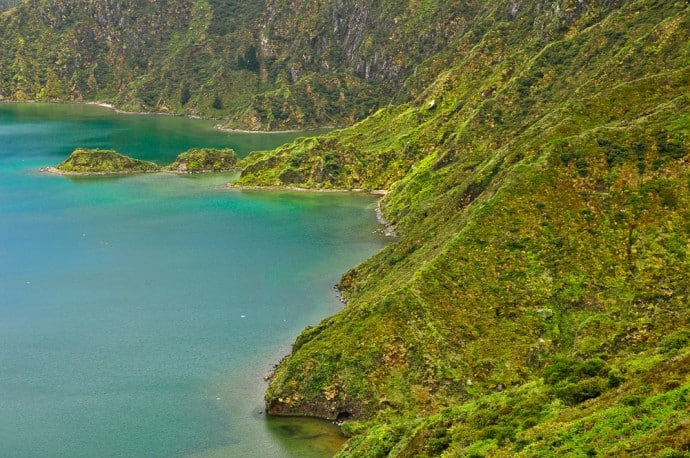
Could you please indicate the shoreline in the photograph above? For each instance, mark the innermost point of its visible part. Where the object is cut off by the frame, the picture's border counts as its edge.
(389, 229)
(326, 129)
(376, 192)
(115, 109)
(52, 170)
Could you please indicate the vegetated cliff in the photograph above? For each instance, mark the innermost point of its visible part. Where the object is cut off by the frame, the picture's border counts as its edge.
(537, 301)
(263, 65)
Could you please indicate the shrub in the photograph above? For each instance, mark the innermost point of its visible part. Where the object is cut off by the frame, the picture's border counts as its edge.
(666, 147)
(217, 103)
(575, 393)
(575, 381)
(675, 341)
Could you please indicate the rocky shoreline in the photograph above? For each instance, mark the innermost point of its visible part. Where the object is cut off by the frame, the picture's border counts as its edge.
(219, 127)
(388, 228)
(55, 171)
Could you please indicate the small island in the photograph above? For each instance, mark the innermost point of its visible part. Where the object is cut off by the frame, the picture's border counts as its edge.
(86, 161)
(198, 160)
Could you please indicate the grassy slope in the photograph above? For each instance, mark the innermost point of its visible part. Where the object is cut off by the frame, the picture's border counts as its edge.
(541, 185)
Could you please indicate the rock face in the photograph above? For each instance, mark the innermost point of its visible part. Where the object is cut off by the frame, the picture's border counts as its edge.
(329, 406)
(97, 161)
(372, 39)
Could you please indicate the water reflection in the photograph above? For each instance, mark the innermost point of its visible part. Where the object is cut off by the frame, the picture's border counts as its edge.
(306, 437)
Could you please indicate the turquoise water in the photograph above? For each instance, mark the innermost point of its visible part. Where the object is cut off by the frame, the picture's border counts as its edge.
(139, 314)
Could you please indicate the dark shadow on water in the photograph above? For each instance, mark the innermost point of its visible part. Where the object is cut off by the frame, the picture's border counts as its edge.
(306, 437)
(83, 179)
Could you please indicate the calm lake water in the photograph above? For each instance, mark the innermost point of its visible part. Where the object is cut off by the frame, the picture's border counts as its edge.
(139, 314)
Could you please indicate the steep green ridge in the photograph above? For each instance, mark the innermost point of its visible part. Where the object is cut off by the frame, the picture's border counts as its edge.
(260, 64)
(537, 301)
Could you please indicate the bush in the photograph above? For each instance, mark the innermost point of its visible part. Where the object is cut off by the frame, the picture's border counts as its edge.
(667, 147)
(672, 453)
(631, 400)
(439, 442)
(575, 381)
(592, 367)
(615, 379)
(217, 103)
(675, 341)
(559, 371)
(575, 393)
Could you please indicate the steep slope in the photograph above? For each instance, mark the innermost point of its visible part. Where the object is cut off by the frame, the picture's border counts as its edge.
(541, 186)
(262, 65)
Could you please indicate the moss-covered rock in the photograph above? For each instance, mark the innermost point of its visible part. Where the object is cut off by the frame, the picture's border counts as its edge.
(205, 160)
(97, 161)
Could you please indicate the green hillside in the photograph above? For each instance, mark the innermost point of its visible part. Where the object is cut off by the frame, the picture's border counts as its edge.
(536, 302)
(260, 64)
(536, 155)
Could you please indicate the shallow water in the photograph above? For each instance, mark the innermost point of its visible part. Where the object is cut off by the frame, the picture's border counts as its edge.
(139, 314)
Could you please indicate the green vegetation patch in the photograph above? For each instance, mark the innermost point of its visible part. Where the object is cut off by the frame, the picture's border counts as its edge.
(205, 160)
(98, 161)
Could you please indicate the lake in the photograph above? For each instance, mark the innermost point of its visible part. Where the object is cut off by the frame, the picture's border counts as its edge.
(139, 314)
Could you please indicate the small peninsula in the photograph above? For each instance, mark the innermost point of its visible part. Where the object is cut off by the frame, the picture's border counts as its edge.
(85, 161)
